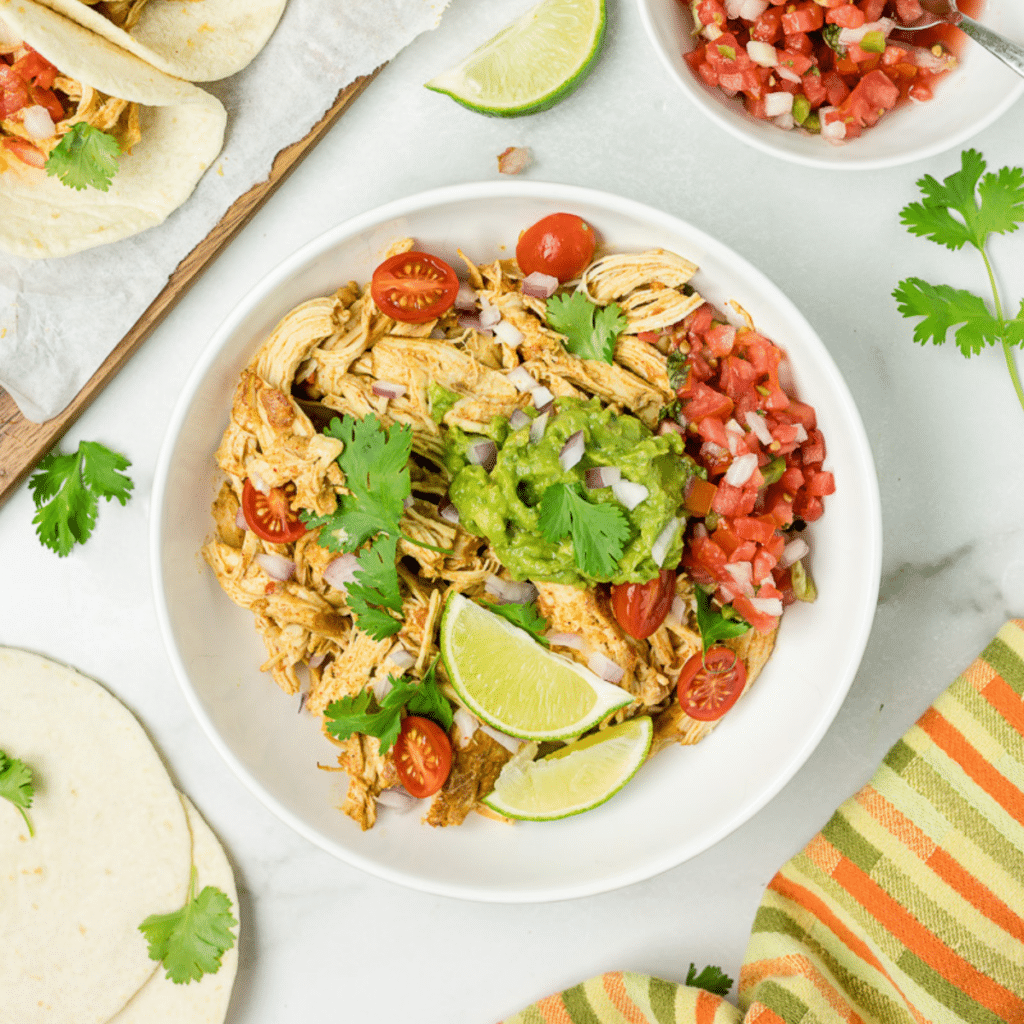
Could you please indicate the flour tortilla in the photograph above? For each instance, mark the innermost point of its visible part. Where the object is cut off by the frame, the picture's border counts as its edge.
(111, 846)
(160, 1001)
(182, 132)
(198, 40)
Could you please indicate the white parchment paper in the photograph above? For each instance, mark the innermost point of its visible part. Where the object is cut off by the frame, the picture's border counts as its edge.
(59, 319)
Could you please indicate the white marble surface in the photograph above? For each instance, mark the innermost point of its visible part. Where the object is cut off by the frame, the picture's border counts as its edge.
(323, 941)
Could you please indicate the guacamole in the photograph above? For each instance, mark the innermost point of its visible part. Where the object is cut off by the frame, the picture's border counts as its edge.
(503, 505)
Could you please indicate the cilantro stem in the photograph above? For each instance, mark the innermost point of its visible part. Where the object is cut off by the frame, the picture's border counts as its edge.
(1014, 376)
(424, 544)
(31, 830)
(1011, 365)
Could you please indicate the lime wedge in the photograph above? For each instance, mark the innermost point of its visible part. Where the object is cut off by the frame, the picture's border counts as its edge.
(532, 63)
(576, 778)
(513, 683)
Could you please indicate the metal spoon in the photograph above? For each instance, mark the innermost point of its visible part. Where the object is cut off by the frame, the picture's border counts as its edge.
(1011, 54)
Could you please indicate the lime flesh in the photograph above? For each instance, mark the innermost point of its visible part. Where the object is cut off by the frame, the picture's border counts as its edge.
(513, 683)
(532, 63)
(577, 778)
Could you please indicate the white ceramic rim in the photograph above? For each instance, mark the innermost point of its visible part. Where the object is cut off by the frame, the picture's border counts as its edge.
(859, 627)
(696, 93)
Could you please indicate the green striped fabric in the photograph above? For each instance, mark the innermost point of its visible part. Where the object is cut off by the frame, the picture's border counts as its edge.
(906, 908)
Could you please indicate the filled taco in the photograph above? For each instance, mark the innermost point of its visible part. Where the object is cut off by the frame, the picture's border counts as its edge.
(94, 144)
(198, 40)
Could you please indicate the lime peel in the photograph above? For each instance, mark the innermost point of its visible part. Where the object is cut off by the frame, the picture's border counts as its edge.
(530, 64)
(511, 682)
(576, 778)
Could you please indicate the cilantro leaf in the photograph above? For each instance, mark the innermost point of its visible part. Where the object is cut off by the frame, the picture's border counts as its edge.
(713, 625)
(423, 698)
(352, 714)
(525, 616)
(190, 942)
(1000, 210)
(375, 587)
(85, 157)
(599, 531)
(66, 491)
(590, 330)
(16, 785)
(942, 308)
(678, 369)
(830, 33)
(711, 979)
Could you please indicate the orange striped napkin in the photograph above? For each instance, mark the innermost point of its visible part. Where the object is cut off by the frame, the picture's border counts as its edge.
(908, 906)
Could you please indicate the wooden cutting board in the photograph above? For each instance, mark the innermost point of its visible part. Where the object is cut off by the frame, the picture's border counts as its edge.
(23, 444)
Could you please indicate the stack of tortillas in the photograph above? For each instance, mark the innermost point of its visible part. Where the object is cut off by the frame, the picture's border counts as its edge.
(114, 843)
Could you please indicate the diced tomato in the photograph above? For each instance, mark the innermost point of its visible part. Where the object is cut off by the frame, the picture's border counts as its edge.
(908, 11)
(820, 483)
(763, 564)
(711, 12)
(754, 529)
(761, 622)
(35, 69)
(727, 500)
(813, 449)
(768, 27)
(720, 339)
(713, 429)
(872, 9)
(744, 552)
(846, 16)
(702, 400)
(13, 91)
(46, 98)
(708, 74)
(800, 42)
(802, 413)
(813, 89)
(836, 90)
(24, 151)
(704, 553)
(797, 61)
(808, 507)
(698, 321)
(651, 337)
(792, 480)
(802, 17)
(778, 503)
(920, 92)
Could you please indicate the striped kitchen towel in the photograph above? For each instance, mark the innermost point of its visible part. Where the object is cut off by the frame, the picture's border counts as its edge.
(906, 908)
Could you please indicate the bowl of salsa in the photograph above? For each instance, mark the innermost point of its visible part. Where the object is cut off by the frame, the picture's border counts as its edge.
(836, 83)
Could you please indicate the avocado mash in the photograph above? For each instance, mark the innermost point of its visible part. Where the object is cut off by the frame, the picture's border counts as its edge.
(503, 505)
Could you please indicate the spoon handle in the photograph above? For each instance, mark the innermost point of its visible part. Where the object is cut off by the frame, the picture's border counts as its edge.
(1011, 54)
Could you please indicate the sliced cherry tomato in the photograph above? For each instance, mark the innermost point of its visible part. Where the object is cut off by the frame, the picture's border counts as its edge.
(423, 756)
(270, 516)
(710, 684)
(414, 287)
(640, 608)
(561, 245)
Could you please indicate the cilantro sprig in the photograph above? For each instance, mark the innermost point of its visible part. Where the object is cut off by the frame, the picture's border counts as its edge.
(965, 209)
(66, 490)
(16, 786)
(713, 625)
(375, 464)
(525, 616)
(599, 531)
(191, 941)
(711, 979)
(86, 157)
(362, 713)
(590, 330)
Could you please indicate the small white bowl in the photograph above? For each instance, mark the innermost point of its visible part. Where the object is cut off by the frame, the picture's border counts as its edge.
(683, 800)
(967, 100)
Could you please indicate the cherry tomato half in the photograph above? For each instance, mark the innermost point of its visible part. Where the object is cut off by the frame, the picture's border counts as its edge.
(423, 756)
(414, 287)
(561, 245)
(710, 685)
(640, 608)
(270, 516)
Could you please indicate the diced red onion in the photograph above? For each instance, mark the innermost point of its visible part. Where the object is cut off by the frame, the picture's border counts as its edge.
(726, 593)
(855, 35)
(510, 591)
(510, 743)
(785, 375)
(762, 53)
(758, 427)
(671, 427)
(743, 574)
(541, 396)
(513, 160)
(466, 297)
(303, 697)
(540, 286)
(605, 668)
(402, 658)
(753, 9)
(518, 419)
(833, 131)
(397, 798)
(408, 502)
(710, 452)
(767, 605)
(793, 552)
(677, 613)
(789, 76)
(489, 314)
(925, 59)
(317, 659)
(659, 549)
(472, 322)
(276, 566)
(381, 687)
(521, 378)
(483, 453)
(700, 531)
(734, 435)
(784, 121)
(508, 333)
(776, 103)
(801, 433)
(573, 640)
(38, 123)
(741, 469)
(733, 7)
(572, 451)
(341, 571)
(538, 426)
(447, 511)
(388, 389)
(240, 519)
(259, 483)
(602, 476)
(629, 493)
(467, 724)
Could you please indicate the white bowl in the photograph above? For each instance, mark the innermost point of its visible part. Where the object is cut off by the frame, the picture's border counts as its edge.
(683, 800)
(966, 101)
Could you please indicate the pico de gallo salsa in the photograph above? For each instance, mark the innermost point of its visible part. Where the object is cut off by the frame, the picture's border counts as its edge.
(829, 67)
(30, 108)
